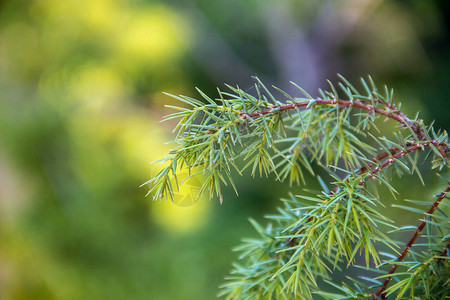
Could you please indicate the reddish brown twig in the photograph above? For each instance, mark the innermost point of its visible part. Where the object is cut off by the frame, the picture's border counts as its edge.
(392, 159)
(393, 112)
(377, 158)
(415, 235)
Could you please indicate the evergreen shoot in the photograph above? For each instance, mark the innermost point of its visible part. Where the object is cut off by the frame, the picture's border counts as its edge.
(271, 132)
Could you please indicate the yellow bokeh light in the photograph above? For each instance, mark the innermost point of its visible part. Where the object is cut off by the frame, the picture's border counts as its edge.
(97, 92)
(140, 140)
(95, 86)
(181, 219)
(188, 211)
(153, 34)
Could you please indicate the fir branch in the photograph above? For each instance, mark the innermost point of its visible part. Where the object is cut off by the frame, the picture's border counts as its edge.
(311, 234)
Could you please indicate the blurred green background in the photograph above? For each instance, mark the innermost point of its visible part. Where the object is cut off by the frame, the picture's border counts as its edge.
(81, 87)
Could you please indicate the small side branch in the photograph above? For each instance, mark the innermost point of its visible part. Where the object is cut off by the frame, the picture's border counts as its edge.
(392, 159)
(416, 234)
(394, 151)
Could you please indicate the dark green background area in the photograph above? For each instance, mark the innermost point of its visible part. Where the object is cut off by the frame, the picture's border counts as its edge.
(80, 101)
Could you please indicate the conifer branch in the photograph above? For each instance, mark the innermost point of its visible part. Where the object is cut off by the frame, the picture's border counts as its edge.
(410, 243)
(311, 234)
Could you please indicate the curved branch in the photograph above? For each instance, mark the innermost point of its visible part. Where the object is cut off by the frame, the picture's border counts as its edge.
(392, 112)
(415, 235)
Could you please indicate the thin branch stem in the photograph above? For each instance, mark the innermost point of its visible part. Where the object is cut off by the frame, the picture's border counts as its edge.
(392, 159)
(413, 238)
(393, 112)
(377, 158)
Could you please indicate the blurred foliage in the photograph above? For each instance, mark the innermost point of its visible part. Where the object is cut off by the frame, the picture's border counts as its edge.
(80, 101)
